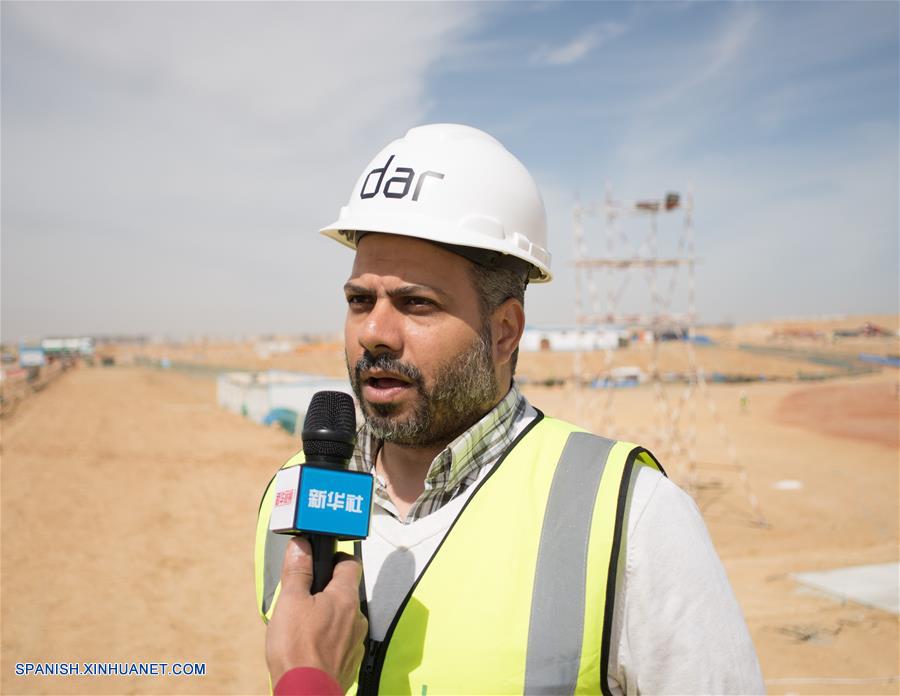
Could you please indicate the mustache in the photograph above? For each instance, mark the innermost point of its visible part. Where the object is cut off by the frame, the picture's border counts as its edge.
(388, 364)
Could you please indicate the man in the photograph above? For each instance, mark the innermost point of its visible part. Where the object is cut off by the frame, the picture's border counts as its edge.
(509, 552)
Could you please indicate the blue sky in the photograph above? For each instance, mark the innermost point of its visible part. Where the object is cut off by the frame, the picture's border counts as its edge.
(165, 165)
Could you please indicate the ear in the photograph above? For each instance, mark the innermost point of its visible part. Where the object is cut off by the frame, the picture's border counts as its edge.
(507, 325)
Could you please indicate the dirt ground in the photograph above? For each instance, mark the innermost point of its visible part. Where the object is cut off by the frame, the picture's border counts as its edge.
(866, 412)
(129, 501)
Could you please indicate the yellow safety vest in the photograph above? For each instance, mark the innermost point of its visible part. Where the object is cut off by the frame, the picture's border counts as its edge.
(518, 597)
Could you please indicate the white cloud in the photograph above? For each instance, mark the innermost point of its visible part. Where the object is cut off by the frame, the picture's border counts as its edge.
(273, 60)
(710, 61)
(783, 231)
(166, 165)
(580, 46)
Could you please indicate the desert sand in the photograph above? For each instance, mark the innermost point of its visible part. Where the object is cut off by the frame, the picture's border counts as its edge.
(129, 501)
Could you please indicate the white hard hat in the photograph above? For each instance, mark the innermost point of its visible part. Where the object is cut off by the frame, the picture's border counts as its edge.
(454, 185)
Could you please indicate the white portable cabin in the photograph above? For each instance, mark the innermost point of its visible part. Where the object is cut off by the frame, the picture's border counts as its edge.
(80, 345)
(571, 338)
(255, 394)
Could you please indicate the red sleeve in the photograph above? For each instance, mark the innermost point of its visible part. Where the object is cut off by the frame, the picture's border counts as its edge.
(307, 681)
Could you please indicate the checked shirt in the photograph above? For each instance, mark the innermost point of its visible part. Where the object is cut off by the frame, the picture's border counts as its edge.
(458, 465)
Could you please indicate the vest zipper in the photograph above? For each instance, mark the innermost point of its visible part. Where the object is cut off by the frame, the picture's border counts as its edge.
(368, 679)
(376, 652)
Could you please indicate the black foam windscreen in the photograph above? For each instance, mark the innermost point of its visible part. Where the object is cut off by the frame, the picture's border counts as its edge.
(329, 429)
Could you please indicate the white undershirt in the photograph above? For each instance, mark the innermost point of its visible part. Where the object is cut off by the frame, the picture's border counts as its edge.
(677, 627)
(395, 553)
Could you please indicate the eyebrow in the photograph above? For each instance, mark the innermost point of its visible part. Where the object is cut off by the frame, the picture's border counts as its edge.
(402, 291)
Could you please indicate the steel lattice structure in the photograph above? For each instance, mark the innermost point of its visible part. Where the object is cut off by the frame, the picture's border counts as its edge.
(673, 430)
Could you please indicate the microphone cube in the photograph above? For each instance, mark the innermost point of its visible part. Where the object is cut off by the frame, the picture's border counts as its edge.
(322, 500)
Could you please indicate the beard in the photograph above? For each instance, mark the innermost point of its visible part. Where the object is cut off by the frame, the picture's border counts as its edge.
(464, 387)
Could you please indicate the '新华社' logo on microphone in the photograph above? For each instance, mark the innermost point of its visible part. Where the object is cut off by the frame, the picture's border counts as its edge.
(284, 497)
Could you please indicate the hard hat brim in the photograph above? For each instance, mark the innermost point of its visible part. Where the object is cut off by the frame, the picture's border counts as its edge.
(344, 231)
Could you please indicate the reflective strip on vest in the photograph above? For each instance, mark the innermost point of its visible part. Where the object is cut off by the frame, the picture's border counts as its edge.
(555, 630)
(269, 550)
(275, 546)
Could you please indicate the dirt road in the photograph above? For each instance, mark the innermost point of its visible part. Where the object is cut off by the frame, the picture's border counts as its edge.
(129, 502)
(129, 499)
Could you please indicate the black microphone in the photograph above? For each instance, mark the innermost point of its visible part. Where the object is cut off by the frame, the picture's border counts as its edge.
(320, 498)
(329, 436)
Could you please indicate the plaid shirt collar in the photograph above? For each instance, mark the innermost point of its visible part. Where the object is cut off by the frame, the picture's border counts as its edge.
(457, 466)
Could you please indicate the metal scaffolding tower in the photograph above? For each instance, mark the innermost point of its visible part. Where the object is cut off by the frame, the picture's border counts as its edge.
(626, 253)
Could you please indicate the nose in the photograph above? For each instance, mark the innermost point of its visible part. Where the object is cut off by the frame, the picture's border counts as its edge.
(381, 330)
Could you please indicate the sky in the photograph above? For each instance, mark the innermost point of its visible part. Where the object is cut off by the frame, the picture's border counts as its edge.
(165, 167)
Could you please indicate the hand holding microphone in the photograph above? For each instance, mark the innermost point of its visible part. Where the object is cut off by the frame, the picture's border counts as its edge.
(324, 631)
(317, 622)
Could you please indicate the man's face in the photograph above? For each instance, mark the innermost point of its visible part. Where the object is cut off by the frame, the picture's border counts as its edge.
(419, 356)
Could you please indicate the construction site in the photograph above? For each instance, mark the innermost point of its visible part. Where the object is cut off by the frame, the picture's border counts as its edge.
(786, 433)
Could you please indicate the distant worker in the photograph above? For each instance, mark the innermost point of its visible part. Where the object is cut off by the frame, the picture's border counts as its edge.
(314, 643)
(509, 552)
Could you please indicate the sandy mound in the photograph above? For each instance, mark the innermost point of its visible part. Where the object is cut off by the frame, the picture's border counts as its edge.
(869, 412)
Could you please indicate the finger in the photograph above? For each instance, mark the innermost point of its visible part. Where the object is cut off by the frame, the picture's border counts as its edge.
(297, 569)
(341, 556)
(346, 575)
